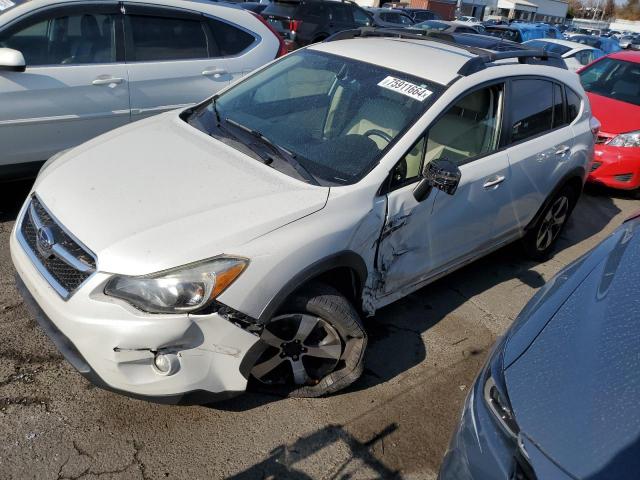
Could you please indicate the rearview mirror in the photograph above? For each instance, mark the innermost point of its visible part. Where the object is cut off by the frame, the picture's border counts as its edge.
(442, 174)
(12, 60)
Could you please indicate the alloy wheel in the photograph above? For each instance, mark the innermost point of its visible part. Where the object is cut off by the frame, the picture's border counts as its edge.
(302, 349)
(552, 223)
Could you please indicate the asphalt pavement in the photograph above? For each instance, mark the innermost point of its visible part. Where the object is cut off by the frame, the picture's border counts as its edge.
(395, 422)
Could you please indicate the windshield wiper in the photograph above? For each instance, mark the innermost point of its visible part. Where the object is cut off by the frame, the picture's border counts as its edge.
(282, 152)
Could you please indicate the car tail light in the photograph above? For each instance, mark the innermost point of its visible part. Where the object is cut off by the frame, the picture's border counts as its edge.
(282, 48)
(294, 25)
(595, 125)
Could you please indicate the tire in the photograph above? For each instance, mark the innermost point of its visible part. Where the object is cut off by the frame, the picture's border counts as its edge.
(539, 245)
(334, 315)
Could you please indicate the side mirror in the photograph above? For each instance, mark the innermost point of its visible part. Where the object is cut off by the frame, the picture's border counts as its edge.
(442, 174)
(12, 60)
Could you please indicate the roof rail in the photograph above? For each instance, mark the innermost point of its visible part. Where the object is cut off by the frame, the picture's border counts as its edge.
(473, 65)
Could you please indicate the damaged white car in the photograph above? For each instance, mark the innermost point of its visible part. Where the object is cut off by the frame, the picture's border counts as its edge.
(249, 237)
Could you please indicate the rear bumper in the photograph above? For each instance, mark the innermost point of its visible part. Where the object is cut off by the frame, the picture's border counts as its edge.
(616, 167)
(114, 345)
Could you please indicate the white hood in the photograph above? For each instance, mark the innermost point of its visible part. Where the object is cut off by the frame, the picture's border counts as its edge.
(159, 194)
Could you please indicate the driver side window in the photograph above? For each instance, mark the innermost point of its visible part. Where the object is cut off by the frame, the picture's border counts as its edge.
(73, 39)
(469, 128)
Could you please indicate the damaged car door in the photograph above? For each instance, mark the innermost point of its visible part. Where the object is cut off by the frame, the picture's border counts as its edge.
(428, 234)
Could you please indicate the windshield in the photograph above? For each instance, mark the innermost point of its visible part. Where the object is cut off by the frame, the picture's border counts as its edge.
(613, 78)
(432, 25)
(334, 115)
(548, 46)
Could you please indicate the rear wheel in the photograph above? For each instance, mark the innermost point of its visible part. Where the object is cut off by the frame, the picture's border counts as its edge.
(540, 240)
(314, 346)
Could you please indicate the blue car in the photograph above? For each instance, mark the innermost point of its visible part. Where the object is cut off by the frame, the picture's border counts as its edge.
(559, 397)
(521, 32)
(606, 44)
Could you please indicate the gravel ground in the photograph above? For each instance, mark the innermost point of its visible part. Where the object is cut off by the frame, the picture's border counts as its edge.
(395, 421)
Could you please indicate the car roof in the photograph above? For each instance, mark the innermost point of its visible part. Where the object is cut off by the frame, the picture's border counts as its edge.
(401, 53)
(627, 55)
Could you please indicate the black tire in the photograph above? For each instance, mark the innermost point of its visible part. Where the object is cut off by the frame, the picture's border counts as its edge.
(331, 306)
(564, 201)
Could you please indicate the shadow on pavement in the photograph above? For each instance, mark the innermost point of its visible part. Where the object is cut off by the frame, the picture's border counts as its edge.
(12, 196)
(283, 460)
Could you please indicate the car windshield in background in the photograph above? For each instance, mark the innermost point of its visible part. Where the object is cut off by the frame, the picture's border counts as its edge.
(505, 33)
(431, 25)
(548, 46)
(613, 78)
(335, 116)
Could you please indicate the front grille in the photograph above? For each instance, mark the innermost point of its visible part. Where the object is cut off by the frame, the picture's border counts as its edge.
(57, 255)
(602, 139)
(625, 177)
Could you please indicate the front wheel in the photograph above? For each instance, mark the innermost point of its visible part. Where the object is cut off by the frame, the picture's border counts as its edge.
(314, 346)
(539, 242)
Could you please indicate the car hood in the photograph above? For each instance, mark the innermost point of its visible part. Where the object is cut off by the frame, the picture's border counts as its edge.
(575, 388)
(614, 115)
(159, 193)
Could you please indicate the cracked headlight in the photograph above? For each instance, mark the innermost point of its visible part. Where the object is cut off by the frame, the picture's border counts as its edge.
(182, 289)
(631, 139)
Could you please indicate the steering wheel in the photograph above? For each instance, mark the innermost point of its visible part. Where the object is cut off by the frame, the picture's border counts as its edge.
(374, 132)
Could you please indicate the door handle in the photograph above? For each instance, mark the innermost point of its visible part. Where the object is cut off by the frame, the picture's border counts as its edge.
(107, 80)
(214, 72)
(493, 181)
(562, 150)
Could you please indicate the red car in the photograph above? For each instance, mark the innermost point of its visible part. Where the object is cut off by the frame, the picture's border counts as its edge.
(613, 86)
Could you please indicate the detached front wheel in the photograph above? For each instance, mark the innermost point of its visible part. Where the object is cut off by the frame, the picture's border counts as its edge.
(314, 346)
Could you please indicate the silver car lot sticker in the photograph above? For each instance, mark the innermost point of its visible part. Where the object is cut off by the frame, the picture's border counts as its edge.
(405, 88)
(4, 4)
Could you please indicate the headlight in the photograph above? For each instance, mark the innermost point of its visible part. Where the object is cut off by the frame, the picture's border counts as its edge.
(182, 289)
(495, 393)
(631, 139)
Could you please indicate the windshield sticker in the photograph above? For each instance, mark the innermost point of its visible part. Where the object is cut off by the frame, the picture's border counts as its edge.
(4, 4)
(405, 88)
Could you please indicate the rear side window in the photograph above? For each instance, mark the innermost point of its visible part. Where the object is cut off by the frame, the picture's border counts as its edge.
(531, 108)
(231, 40)
(361, 18)
(315, 9)
(573, 105)
(340, 13)
(163, 38)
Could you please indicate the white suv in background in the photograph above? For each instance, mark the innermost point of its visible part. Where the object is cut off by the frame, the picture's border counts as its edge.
(70, 70)
(250, 236)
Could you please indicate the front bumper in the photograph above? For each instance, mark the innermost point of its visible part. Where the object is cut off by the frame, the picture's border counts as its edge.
(616, 167)
(113, 344)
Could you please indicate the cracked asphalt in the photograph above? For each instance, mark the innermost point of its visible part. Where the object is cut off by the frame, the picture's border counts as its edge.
(395, 422)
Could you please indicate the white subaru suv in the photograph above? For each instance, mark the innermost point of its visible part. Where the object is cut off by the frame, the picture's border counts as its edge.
(250, 236)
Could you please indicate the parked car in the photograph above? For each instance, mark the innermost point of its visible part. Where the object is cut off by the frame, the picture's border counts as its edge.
(613, 86)
(558, 394)
(66, 76)
(302, 22)
(248, 235)
(607, 45)
(420, 14)
(445, 27)
(626, 41)
(521, 32)
(471, 20)
(386, 17)
(486, 42)
(576, 55)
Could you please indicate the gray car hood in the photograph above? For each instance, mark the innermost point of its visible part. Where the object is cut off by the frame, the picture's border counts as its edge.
(575, 389)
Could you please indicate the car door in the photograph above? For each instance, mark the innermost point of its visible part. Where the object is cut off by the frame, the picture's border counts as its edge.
(541, 142)
(172, 59)
(75, 85)
(424, 238)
